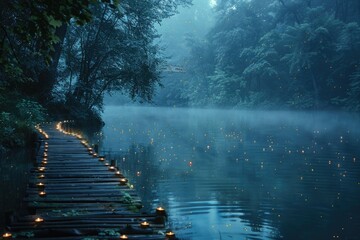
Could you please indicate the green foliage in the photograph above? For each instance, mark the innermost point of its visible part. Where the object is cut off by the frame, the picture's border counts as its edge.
(299, 54)
(18, 119)
(115, 52)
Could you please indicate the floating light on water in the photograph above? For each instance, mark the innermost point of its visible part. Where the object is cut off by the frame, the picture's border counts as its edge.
(42, 194)
(144, 224)
(123, 236)
(45, 154)
(107, 164)
(118, 173)
(41, 176)
(112, 168)
(40, 185)
(170, 234)
(44, 162)
(7, 235)
(89, 149)
(41, 169)
(39, 220)
(94, 154)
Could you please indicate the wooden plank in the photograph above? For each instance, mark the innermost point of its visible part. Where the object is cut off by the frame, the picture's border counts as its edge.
(84, 199)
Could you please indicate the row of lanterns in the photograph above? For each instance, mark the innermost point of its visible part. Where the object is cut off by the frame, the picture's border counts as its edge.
(42, 132)
(41, 170)
(40, 185)
(123, 181)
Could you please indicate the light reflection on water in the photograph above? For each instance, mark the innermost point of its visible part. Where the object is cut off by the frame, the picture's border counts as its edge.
(240, 174)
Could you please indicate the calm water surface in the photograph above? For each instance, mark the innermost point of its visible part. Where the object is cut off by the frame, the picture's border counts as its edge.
(225, 174)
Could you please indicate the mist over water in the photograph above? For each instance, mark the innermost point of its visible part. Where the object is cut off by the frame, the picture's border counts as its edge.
(226, 174)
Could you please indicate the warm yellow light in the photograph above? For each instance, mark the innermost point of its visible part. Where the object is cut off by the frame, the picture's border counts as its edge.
(112, 168)
(123, 236)
(145, 224)
(41, 169)
(41, 176)
(170, 234)
(40, 185)
(123, 181)
(9, 235)
(42, 194)
(160, 210)
(39, 220)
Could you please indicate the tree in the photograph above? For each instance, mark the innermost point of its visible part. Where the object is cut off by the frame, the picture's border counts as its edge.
(115, 52)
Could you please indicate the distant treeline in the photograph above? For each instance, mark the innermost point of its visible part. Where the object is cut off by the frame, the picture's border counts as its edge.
(294, 54)
(59, 58)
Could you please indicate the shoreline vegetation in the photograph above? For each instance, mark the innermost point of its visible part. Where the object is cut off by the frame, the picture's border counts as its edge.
(60, 60)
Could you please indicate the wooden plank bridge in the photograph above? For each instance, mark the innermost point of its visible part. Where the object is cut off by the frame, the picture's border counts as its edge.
(75, 194)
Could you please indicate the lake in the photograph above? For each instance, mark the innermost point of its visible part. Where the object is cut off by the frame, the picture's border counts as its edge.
(225, 174)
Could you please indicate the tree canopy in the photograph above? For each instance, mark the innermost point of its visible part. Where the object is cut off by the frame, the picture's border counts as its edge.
(299, 54)
(90, 47)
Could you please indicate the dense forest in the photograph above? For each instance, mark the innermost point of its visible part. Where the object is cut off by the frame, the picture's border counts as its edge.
(273, 54)
(59, 58)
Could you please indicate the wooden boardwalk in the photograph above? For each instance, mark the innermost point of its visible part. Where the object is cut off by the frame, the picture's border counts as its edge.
(75, 194)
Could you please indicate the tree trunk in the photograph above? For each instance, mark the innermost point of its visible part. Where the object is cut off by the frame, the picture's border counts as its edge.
(47, 76)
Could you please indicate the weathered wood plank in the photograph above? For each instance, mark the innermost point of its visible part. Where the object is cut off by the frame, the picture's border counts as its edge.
(84, 198)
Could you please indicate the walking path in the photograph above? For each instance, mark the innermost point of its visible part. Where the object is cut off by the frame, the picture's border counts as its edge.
(75, 194)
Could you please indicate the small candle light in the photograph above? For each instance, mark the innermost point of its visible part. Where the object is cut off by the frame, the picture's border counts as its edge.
(117, 173)
(45, 154)
(145, 224)
(123, 181)
(95, 155)
(111, 168)
(7, 235)
(45, 149)
(41, 169)
(44, 162)
(170, 234)
(90, 152)
(123, 236)
(41, 176)
(89, 149)
(40, 185)
(45, 159)
(39, 220)
(160, 211)
(107, 164)
(42, 194)
(101, 158)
